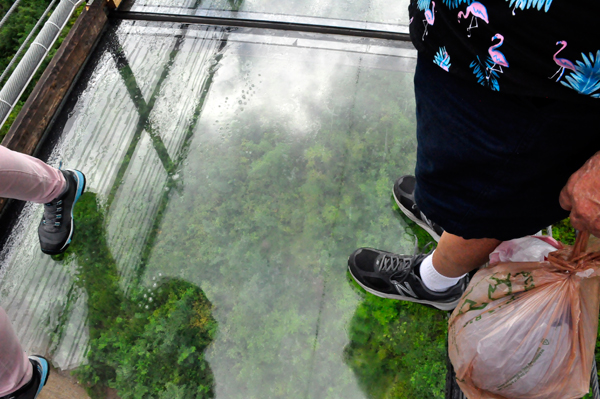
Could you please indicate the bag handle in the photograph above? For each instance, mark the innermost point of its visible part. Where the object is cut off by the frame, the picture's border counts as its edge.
(577, 257)
(580, 245)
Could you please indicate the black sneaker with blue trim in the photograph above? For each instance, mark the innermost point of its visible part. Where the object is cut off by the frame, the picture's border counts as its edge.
(393, 276)
(31, 390)
(404, 194)
(56, 228)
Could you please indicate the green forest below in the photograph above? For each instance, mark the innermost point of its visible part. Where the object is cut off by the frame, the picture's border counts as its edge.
(290, 198)
(151, 341)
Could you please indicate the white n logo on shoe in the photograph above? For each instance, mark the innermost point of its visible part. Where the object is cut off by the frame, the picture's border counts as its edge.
(404, 289)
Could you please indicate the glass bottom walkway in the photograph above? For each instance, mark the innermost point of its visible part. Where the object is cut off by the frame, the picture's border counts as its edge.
(231, 171)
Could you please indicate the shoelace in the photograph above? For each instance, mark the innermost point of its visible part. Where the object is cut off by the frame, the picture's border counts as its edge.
(393, 263)
(399, 266)
(53, 211)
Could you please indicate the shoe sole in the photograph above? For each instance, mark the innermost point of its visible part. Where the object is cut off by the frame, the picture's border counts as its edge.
(79, 176)
(419, 222)
(45, 369)
(449, 306)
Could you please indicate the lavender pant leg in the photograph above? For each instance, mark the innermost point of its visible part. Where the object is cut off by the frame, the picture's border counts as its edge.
(15, 368)
(27, 178)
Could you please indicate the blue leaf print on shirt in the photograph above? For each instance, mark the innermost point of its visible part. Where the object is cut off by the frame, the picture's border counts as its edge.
(423, 4)
(442, 58)
(586, 78)
(523, 4)
(426, 4)
(455, 3)
(480, 70)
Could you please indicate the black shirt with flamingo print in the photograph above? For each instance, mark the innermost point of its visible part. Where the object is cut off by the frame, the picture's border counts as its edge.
(538, 48)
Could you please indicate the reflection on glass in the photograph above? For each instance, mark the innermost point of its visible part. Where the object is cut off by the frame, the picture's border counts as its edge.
(231, 173)
(148, 343)
(366, 14)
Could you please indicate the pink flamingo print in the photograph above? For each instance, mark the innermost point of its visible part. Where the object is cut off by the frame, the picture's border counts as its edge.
(429, 18)
(562, 62)
(498, 58)
(477, 10)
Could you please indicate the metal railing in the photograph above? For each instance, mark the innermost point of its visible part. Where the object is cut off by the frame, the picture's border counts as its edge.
(33, 58)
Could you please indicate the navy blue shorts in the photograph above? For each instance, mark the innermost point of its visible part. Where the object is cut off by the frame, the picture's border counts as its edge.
(491, 164)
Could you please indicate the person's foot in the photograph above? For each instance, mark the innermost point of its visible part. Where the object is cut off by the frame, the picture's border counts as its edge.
(41, 371)
(404, 194)
(56, 228)
(388, 275)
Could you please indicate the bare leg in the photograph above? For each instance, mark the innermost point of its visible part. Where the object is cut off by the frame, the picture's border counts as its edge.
(456, 256)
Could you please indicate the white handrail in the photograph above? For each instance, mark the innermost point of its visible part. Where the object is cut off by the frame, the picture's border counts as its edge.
(33, 58)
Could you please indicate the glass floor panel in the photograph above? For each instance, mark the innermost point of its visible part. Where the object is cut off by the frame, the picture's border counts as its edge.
(363, 14)
(230, 174)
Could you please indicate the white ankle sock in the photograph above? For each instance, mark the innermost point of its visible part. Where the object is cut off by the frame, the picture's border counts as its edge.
(433, 279)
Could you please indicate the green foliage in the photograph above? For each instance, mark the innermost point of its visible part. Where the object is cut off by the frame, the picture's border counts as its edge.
(564, 232)
(398, 349)
(148, 344)
(159, 351)
(272, 216)
(18, 26)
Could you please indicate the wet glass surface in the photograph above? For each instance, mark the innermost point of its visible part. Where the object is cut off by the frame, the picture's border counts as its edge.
(230, 174)
(363, 14)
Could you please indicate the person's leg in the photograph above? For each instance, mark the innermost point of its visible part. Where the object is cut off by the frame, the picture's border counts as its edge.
(15, 368)
(456, 256)
(27, 178)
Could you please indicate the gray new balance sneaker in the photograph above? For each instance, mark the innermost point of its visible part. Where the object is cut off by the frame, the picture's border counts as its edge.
(404, 194)
(393, 276)
(56, 228)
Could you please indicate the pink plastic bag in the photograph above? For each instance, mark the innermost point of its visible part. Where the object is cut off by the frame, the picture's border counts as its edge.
(526, 330)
